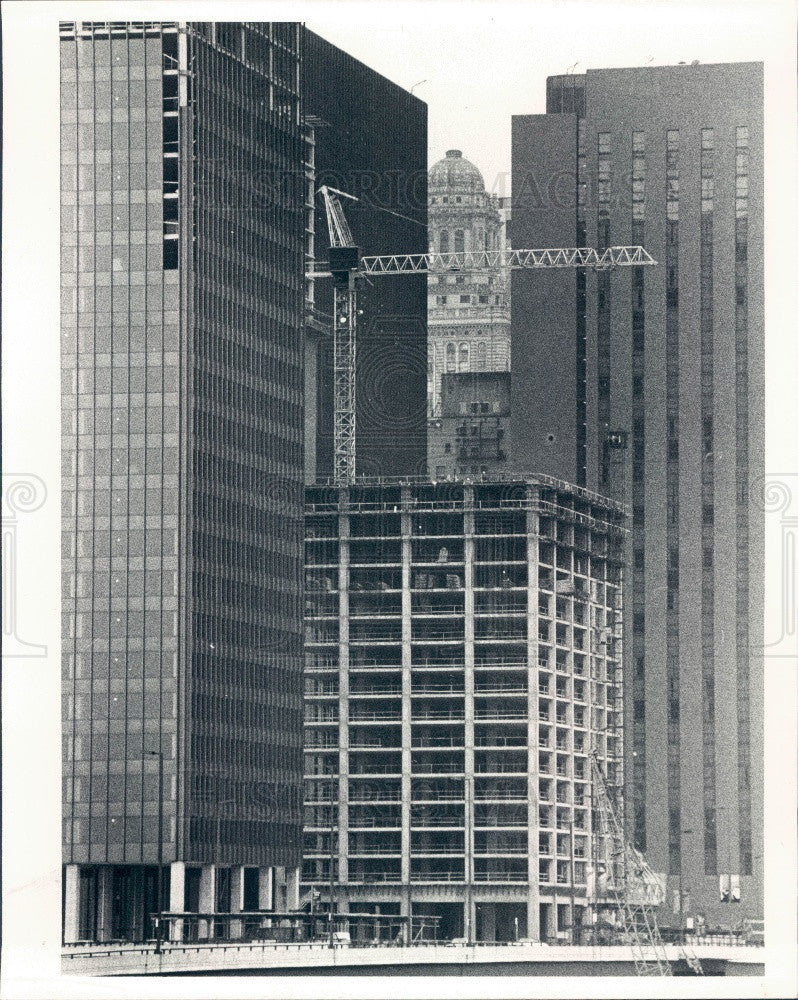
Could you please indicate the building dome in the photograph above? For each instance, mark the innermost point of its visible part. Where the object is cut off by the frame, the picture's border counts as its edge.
(453, 171)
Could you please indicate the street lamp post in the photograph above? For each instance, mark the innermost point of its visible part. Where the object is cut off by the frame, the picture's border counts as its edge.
(158, 932)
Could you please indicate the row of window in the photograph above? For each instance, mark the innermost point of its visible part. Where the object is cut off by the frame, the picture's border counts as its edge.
(483, 300)
(456, 241)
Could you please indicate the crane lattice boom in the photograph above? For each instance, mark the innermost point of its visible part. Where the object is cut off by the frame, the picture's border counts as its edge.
(340, 235)
(495, 260)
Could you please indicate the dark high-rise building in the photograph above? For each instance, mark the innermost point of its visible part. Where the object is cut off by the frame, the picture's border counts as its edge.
(371, 141)
(649, 386)
(182, 360)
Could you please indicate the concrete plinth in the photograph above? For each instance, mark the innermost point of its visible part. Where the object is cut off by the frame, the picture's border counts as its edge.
(177, 898)
(236, 901)
(207, 900)
(72, 904)
(292, 889)
(265, 889)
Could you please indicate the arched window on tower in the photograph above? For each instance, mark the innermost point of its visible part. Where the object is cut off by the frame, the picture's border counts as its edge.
(443, 242)
(450, 357)
(462, 361)
(459, 241)
(482, 356)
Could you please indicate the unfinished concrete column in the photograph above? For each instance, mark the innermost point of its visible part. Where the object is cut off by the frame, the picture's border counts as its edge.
(341, 850)
(406, 692)
(406, 910)
(533, 727)
(468, 608)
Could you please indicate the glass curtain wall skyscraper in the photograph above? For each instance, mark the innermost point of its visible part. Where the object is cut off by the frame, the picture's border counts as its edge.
(182, 312)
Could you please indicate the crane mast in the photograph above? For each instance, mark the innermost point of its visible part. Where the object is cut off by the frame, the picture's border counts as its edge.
(347, 268)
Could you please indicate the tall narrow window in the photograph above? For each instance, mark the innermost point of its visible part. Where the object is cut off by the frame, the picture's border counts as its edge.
(672, 493)
(443, 241)
(581, 316)
(603, 338)
(638, 497)
(459, 241)
(707, 498)
(450, 357)
(742, 472)
(462, 361)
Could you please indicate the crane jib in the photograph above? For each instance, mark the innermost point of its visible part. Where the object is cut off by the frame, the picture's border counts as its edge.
(488, 260)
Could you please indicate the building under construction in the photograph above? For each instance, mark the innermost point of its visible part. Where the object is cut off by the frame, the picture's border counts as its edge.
(463, 685)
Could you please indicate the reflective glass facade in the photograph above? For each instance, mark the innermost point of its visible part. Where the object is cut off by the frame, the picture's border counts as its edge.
(182, 309)
(121, 345)
(246, 299)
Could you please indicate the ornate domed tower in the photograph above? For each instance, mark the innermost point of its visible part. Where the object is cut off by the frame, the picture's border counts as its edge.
(468, 312)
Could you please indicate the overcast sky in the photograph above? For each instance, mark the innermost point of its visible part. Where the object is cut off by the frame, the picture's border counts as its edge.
(482, 62)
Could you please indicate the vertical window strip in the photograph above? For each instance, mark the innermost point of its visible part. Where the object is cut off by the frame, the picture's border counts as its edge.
(742, 543)
(672, 494)
(581, 316)
(638, 498)
(73, 829)
(707, 500)
(603, 304)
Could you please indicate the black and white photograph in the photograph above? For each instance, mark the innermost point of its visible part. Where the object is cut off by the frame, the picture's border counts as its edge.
(400, 499)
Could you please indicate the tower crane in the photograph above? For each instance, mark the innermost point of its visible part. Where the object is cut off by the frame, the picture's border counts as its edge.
(630, 887)
(347, 269)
